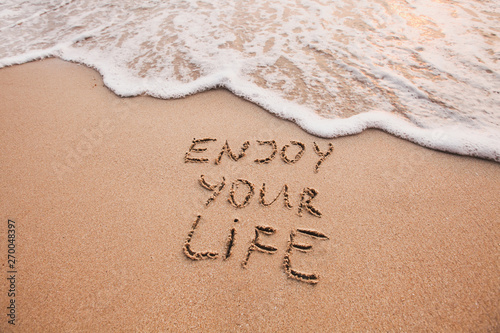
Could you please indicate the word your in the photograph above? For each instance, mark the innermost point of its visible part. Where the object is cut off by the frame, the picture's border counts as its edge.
(191, 155)
(307, 195)
(257, 245)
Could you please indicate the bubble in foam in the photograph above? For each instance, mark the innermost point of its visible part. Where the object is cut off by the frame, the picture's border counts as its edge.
(335, 68)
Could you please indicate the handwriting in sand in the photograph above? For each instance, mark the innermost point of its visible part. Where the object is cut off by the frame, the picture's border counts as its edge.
(197, 153)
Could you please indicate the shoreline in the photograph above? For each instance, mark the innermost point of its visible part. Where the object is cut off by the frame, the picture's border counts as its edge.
(104, 203)
(447, 140)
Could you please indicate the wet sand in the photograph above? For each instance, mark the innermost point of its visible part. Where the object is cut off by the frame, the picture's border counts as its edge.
(105, 192)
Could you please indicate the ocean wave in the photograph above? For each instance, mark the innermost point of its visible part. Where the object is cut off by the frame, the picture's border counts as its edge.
(426, 71)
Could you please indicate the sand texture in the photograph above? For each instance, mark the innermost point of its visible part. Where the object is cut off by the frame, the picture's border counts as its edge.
(139, 214)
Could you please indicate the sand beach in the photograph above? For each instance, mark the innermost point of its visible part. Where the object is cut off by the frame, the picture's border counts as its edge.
(140, 214)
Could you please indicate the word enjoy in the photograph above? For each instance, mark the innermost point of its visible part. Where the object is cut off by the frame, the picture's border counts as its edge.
(256, 244)
(192, 155)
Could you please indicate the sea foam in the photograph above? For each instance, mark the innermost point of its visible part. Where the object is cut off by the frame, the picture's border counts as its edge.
(426, 71)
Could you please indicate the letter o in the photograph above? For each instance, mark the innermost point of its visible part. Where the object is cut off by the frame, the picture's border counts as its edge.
(297, 157)
(232, 192)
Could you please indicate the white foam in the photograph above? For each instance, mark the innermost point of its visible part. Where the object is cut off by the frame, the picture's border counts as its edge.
(425, 71)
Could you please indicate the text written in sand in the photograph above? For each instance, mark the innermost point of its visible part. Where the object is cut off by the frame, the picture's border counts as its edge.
(257, 244)
(197, 152)
(240, 192)
(247, 189)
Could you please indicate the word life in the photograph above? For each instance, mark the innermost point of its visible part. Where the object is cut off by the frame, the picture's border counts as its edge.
(195, 153)
(257, 244)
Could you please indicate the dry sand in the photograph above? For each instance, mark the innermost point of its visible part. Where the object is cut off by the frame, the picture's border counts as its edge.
(103, 202)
